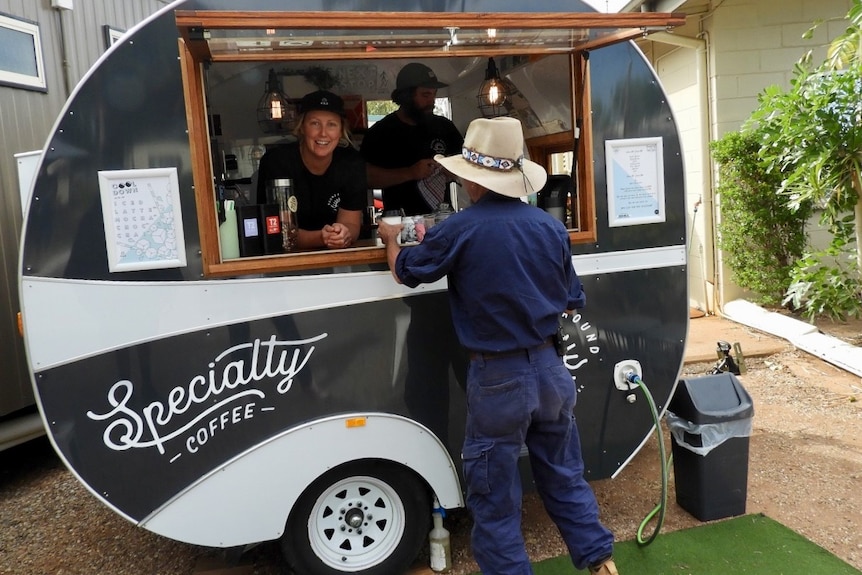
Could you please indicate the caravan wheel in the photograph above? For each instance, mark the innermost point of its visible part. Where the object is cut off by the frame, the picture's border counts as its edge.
(365, 517)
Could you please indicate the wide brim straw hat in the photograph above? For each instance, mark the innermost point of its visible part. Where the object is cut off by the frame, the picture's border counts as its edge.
(493, 157)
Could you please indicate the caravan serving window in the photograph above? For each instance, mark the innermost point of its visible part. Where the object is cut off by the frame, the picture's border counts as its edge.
(218, 48)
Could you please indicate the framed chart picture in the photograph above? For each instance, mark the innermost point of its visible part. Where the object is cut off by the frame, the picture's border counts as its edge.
(635, 175)
(142, 219)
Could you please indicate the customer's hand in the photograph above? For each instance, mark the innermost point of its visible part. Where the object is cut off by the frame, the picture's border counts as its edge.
(388, 233)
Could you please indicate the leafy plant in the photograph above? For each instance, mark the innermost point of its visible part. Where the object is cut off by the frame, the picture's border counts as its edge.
(760, 235)
(846, 48)
(811, 134)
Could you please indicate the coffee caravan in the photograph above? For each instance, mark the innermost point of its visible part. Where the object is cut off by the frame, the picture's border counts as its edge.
(224, 402)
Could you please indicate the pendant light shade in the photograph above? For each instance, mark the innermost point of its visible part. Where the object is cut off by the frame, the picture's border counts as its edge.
(274, 113)
(493, 93)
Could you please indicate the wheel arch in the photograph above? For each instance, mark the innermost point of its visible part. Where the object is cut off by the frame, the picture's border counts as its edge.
(249, 498)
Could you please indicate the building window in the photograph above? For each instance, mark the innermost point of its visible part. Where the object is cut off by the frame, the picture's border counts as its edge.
(21, 61)
(112, 35)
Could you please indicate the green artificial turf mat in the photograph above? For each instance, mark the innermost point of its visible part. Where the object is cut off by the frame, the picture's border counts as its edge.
(749, 544)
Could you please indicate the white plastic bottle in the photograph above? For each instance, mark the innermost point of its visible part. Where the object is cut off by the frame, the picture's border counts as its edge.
(228, 234)
(441, 551)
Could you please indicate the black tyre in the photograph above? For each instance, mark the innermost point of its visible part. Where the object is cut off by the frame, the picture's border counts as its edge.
(368, 517)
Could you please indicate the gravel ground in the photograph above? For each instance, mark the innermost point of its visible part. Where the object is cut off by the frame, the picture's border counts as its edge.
(805, 466)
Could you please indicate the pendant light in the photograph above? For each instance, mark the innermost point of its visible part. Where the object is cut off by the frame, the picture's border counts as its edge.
(274, 113)
(493, 93)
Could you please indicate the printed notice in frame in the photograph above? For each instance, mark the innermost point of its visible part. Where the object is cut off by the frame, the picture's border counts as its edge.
(142, 219)
(635, 174)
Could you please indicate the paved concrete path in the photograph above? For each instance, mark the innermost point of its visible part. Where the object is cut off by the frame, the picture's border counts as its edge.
(705, 332)
(761, 332)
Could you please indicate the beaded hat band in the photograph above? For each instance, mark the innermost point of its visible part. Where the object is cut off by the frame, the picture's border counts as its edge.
(493, 157)
(491, 162)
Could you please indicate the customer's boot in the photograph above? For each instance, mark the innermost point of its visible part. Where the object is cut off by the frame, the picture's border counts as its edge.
(606, 567)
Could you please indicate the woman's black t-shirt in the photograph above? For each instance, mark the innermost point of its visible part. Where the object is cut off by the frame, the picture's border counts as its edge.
(343, 185)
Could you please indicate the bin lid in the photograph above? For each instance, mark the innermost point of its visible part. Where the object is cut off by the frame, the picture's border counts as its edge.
(711, 399)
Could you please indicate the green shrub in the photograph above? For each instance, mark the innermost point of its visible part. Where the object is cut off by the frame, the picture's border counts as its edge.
(812, 134)
(761, 236)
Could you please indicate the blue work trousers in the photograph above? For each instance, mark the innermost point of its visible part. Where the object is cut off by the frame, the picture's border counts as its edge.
(526, 399)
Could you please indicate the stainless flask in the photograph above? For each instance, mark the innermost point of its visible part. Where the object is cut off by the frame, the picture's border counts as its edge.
(281, 192)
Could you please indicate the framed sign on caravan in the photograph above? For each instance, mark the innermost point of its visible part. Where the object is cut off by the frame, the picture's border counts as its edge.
(635, 175)
(142, 219)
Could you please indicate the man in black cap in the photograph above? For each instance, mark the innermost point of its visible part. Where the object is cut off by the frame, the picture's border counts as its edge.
(400, 148)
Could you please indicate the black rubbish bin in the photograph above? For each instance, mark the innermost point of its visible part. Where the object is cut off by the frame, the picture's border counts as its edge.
(710, 420)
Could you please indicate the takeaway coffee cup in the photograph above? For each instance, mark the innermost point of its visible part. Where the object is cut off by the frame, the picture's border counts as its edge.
(393, 218)
(408, 231)
(412, 229)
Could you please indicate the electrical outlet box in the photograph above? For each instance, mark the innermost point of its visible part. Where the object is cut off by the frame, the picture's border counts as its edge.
(621, 369)
(62, 4)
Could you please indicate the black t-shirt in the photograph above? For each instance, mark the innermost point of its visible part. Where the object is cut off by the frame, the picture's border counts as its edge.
(390, 143)
(318, 198)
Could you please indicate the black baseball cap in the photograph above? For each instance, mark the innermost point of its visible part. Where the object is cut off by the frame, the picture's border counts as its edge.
(416, 75)
(322, 100)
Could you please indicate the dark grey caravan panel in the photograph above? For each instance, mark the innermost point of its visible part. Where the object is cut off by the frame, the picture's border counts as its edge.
(167, 381)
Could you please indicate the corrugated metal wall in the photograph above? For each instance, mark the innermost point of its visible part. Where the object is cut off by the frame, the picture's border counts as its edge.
(26, 117)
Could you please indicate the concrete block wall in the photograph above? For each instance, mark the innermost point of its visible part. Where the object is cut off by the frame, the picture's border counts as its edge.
(755, 44)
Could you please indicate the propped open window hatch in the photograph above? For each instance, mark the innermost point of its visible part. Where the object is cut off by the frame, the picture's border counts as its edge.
(330, 39)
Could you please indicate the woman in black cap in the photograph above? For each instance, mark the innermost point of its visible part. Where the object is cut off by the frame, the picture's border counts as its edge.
(328, 174)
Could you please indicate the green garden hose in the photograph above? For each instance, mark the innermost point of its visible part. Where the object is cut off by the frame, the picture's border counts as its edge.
(666, 462)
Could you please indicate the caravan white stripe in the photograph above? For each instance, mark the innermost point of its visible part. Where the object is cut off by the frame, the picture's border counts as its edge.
(67, 320)
(630, 260)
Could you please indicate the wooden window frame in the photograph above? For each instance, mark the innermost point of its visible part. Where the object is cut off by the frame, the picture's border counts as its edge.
(543, 147)
(195, 54)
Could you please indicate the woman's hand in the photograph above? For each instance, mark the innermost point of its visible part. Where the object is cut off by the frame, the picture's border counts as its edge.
(336, 236)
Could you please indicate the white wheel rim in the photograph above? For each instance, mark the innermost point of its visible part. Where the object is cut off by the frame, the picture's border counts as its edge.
(356, 523)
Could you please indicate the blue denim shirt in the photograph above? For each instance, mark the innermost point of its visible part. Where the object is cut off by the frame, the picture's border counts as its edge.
(510, 272)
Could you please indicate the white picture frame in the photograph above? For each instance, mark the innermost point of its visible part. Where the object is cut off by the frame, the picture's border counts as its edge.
(635, 175)
(25, 67)
(112, 35)
(142, 218)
